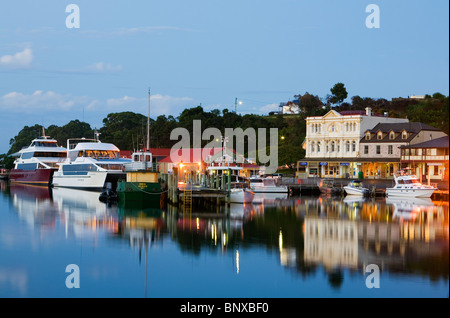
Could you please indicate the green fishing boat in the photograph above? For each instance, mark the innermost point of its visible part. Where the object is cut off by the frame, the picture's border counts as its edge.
(142, 186)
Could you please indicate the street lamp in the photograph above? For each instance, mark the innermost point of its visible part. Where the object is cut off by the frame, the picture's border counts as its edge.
(235, 104)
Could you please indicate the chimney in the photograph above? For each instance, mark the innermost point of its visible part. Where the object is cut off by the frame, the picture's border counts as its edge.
(368, 111)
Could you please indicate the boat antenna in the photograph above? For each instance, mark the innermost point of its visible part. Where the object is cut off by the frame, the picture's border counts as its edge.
(43, 133)
(96, 135)
(148, 121)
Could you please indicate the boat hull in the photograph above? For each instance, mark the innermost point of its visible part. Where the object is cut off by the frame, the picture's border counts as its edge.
(36, 176)
(241, 196)
(355, 191)
(148, 194)
(417, 193)
(91, 181)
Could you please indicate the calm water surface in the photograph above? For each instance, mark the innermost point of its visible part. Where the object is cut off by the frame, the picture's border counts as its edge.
(302, 247)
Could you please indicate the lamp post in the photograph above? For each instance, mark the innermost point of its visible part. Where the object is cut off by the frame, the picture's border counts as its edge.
(235, 104)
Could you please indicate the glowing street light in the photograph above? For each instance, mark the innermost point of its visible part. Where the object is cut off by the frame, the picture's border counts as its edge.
(235, 104)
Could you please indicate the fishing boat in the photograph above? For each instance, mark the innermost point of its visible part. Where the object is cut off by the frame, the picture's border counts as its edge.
(239, 191)
(356, 188)
(326, 186)
(408, 185)
(90, 164)
(37, 163)
(142, 184)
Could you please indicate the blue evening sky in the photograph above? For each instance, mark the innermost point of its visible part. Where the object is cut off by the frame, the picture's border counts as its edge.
(209, 52)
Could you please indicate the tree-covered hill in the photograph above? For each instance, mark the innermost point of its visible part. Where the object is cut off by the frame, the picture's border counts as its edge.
(128, 130)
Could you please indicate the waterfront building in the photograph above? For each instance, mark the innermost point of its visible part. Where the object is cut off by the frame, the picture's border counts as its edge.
(379, 152)
(332, 142)
(428, 160)
(191, 163)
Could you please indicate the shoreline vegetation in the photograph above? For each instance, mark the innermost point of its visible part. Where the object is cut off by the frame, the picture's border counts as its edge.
(127, 130)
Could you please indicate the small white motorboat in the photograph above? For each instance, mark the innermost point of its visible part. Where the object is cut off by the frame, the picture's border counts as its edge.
(356, 188)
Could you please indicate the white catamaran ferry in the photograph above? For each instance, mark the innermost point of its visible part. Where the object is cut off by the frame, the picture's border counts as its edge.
(90, 164)
(36, 163)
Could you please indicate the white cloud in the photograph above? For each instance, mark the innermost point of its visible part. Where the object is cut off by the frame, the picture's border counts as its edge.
(21, 59)
(40, 101)
(102, 67)
(99, 67)
(135, 30)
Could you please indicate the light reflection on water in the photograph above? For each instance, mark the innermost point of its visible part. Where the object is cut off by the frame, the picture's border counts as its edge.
(304, 246)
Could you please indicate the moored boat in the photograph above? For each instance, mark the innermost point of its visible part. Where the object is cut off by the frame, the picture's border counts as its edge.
(142, 184)
(326, 186)
(407, 185)
(37, 163)
(266, 189)
(356, 188)
(90, 164)
(239, 191)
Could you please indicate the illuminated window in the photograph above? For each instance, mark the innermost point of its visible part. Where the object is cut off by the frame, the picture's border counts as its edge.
(391, 135)
(404, 134)
(380, 135)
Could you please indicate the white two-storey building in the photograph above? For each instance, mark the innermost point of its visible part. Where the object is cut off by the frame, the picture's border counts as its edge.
(332, 142)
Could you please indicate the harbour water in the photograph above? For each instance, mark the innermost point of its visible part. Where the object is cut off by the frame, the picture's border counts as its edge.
(302, 247)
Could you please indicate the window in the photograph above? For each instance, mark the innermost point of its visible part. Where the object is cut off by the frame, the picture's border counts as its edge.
(378, 150)
(380, 135)
(318, 146)
(391, 135)
(390, 150)
(404, 134)
(347, 146)
(366, 150)
(353, 146)
(312, 147)
(332, 146)
(367, 135)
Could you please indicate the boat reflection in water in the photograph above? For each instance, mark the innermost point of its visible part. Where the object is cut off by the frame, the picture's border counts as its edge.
(34, 205)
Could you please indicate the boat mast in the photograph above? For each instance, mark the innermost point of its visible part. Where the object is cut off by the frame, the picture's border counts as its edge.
(148, 121)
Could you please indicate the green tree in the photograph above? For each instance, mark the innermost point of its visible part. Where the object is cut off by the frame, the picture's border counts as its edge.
(339, 93)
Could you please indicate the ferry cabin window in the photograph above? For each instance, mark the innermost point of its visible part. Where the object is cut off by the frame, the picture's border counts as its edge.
(27, 155)
(27, 166)
(45, 144)
(77, 167)
(50, 154)
(105, 154)
(111, 167)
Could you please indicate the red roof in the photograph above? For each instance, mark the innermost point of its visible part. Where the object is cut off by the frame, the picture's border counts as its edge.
(191, 155)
